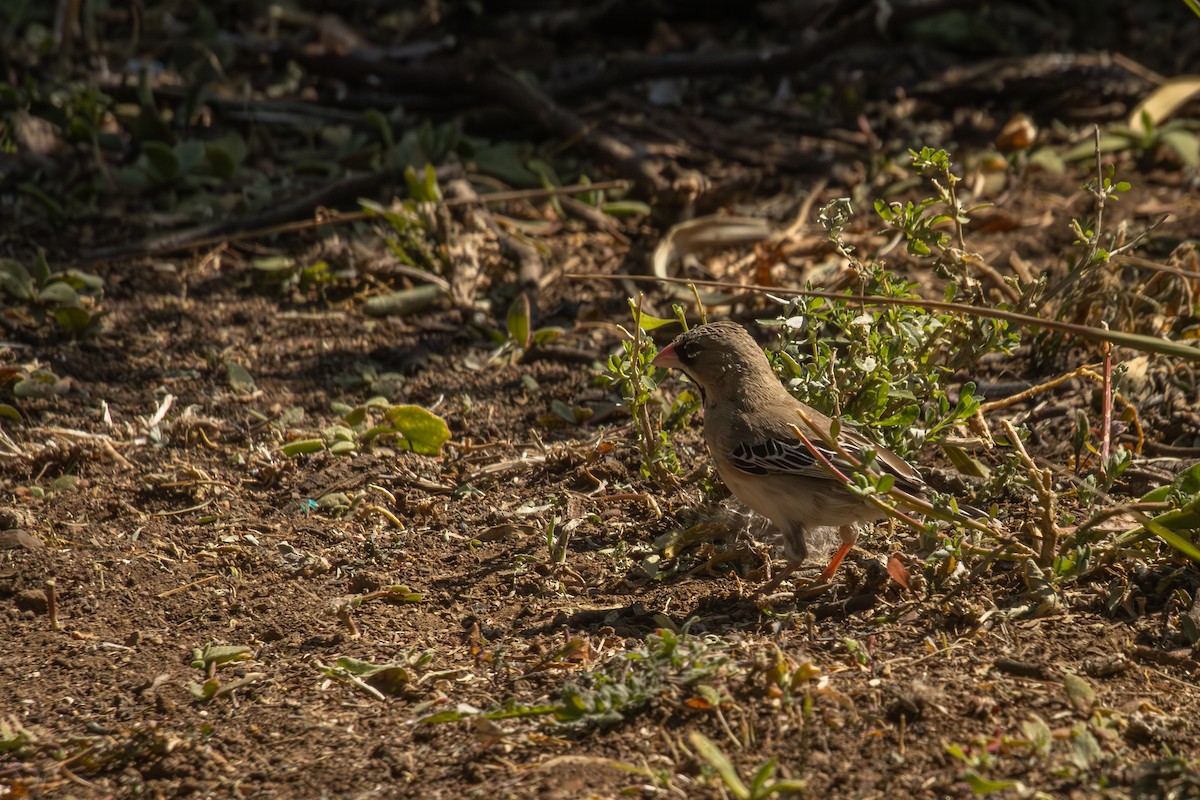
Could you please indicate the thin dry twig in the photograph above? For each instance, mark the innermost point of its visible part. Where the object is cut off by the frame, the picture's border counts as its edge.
(261, 226)
(1135, 341)
(1020, 397)
(864, 26)
(186, 586)
(1043, 485)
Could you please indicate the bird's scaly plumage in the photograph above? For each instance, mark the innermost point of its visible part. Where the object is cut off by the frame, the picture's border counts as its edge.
(748, 416)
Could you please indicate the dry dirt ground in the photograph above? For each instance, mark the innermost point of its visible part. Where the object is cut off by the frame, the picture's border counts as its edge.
(187, 610)
(167, 532)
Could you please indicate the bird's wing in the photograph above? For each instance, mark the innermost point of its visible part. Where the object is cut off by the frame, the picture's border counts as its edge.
(786, 455)
(776, 456)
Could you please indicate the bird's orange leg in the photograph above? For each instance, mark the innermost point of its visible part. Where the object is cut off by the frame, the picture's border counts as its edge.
(835, 562)
(849, 537)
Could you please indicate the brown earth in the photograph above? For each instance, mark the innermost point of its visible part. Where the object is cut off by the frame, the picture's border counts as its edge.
(197, 530)
(152, 492)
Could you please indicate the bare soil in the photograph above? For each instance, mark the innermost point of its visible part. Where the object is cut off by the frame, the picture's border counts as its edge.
(152, 493)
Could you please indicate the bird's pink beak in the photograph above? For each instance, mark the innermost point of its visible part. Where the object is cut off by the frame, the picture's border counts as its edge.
(667, 358)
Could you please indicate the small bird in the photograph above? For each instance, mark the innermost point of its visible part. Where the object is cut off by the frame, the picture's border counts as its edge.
(748, 419)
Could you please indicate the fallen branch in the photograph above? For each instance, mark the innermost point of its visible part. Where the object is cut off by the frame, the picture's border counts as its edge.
(868, 25)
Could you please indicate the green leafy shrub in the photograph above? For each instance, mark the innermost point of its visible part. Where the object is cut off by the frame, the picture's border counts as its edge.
(69, 297)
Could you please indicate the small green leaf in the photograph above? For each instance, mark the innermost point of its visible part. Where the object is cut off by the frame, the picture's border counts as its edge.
(1109, 143)
(422, 190)
(58, 293)
(1049, 160)
(83, 280)
(162, 159)
(647, 322)
(965, 463)
(8, 411)
(407, 301)
(981, 785)
(73, 318)
(626, 208)
(41, 268)
(546, 335)
(791, 786)
(446, 716)
(1184, 143)
(204, 691)
(762, 777)
(1080, 694)
(424, 431)
(219, 654)
(270, 264)
(38, 384)
(1180, 543)
(563, 411)
(705, 748)
(190, 153)
(903, 418)
(517, 320)
(15, 280)
(64, 483)
(240, 379)
(302, 446)
(430, 185)
(1085, 749)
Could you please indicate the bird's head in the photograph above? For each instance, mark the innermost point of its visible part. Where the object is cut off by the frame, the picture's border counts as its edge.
(717, 355)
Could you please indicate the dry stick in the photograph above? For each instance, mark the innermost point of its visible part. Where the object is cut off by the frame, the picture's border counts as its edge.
(1020, 397)
(1134, 416)
(1144, 263)
(260, 226)
(1106, 411)
(347, 619)
(503, 85)
(993, 275)
(346, 190)
(1116, 511)
(1086, 371)
(699, 304)
(1043, 486)
(1088, 259)
(186, 586)
(496, 82)
(1135, 241)
(865, 26)
(51, 587)
(1120, 338)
